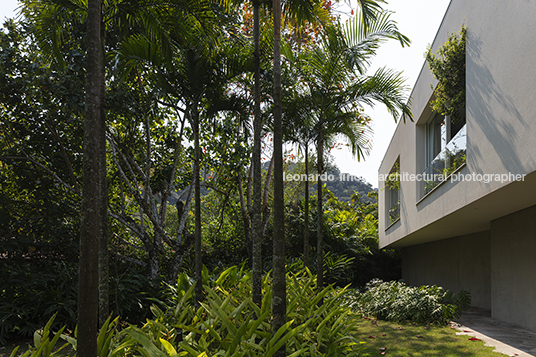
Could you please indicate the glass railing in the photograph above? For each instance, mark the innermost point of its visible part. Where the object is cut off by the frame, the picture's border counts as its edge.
(394, 213)
(451, 157)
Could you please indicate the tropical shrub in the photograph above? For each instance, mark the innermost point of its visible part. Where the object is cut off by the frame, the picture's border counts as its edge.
(396, 301)
(44, 346)
(228, 323)
(34, 291)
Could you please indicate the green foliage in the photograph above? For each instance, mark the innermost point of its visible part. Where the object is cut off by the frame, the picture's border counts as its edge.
(44, 345)
(396, 301)
(393, 179)
(132, 293)
(29, 297)
(448, 67)
(107, 344)
(226, 323)
(350, 238)
(455, 160)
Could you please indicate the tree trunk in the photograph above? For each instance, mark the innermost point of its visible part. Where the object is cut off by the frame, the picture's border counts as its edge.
(279, 298)
(256, 232)
(91, 227)
(319, 212)
(245, 219)
(104, 273)
(197, 199)
(306, 211)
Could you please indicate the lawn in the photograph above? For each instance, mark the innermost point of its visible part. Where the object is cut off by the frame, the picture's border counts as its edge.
(383, 338)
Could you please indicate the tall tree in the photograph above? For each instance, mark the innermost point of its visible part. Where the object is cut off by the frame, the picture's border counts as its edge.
(256, 236)
(93, 210)
(279, 296)
(334, 70)
(297, 14)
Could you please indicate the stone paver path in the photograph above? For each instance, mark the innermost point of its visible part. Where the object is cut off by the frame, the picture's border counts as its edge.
(506, 338)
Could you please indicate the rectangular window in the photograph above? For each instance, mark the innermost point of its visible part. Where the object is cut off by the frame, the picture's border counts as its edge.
(392, 186)
(446, 143)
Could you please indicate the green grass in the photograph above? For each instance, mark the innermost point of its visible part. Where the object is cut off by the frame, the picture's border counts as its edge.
(403, 340)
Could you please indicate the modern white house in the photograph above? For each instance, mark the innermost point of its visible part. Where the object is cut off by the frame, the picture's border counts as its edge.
(476, 229)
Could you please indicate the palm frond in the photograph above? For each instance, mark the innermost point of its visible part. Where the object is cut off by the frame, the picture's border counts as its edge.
(386, 87)
(53, 22)
(363, 39)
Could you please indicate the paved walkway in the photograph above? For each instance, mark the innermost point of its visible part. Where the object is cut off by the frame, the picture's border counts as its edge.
(506, 338)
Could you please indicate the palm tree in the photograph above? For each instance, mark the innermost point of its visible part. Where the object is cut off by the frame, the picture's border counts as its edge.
(256, 232)
(299, 13)
(93, 210)
(334, 70)
(299, 9)
(279, 296)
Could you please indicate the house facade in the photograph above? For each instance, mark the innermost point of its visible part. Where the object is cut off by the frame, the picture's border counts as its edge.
(464, 210)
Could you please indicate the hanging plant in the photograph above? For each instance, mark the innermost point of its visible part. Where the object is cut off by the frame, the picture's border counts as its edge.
(448, 67)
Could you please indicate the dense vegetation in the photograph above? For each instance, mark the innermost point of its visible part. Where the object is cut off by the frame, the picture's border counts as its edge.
(395, 301)
(182, 105)
(223, 325)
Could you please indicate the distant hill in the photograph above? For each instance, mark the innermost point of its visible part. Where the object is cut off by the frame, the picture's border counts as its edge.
(342, 185)
(345, 185)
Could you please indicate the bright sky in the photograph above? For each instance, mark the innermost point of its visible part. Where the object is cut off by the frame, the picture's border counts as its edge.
(417, 19)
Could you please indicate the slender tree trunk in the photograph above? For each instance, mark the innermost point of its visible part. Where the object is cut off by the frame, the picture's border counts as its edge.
(181, 244)
(245, 218)
(319, 212)
(104, 273)
(265, 205)
(279, 298)
(91, 227)
(197, 199)
(306, 210)
(257, 179)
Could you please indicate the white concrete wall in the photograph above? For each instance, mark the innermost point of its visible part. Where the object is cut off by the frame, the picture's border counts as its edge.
(513, 268)
(456, 264)
(501, 128)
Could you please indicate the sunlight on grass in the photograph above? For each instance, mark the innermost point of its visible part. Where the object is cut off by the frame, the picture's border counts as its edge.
(400, 340)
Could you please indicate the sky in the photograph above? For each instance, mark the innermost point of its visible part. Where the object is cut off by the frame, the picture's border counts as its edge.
(417, 19)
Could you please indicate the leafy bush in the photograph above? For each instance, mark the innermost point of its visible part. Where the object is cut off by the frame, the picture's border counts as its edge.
(30, 297)
(448, 67)
(396, 301)
(31, 293)
(226, 322)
